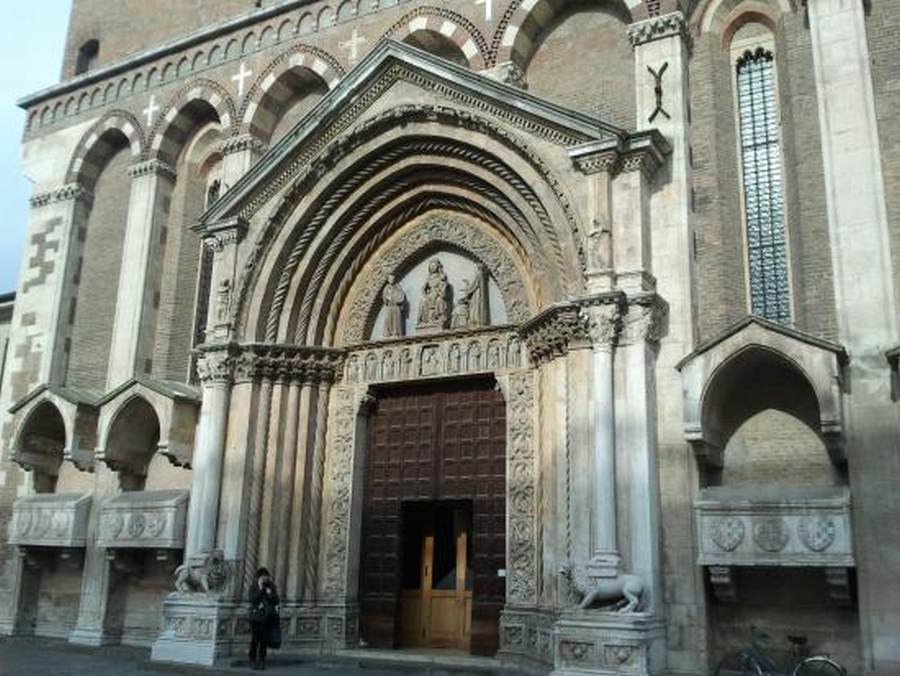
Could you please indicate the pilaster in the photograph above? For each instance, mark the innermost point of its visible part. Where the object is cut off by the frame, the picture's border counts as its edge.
(223, 238)
(866, 308)
(134, 328)
(239, 154)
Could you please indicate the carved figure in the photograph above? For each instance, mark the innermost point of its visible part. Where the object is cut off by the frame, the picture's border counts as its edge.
(224, 300)
(621, 593)
(393, 299)
(433, 308)
(202, 574)
(213, 192)
(471, 306)
(600, 249)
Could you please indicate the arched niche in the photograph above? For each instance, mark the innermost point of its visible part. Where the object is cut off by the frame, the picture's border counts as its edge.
(754, 367)
(39, 444)
(131, 442)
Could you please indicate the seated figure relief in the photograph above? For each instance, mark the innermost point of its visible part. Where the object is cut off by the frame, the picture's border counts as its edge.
(434, 306)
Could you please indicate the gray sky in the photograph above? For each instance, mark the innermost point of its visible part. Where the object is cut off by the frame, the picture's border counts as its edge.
(31, 51)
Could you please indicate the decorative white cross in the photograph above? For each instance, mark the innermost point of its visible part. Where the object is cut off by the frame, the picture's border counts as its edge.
(488, 9)
(240, 77)
(150, 111)
(353, 44)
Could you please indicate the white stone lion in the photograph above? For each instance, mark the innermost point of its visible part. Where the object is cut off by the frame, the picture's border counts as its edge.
(622, 593)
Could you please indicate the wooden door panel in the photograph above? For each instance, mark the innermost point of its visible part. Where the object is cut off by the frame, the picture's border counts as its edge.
(434, 442)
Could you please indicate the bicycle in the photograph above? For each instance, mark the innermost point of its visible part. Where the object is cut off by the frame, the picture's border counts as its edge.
(755, 660)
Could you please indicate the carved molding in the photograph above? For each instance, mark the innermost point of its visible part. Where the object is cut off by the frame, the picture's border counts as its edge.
(437, 229)
(241, 143)
(220, 235)
(657, 28)
(66, 193)
(152, 167)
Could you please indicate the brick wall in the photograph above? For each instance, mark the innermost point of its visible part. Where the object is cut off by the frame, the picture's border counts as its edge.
(584, 61)
(99, 276)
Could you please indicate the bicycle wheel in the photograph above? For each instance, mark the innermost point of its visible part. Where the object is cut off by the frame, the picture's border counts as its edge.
(739, 664)
(819, 665)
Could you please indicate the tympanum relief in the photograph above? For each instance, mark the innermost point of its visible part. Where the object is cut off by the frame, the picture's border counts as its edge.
(445, 291)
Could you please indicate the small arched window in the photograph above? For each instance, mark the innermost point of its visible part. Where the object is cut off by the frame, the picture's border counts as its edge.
(762, 176)
(87, 57)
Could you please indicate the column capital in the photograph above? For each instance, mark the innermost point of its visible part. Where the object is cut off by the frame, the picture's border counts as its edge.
(220, 234)
(641, 151)
(646, 320)
(240, 143)
(152, 167)
(657, 28)
(70, 192)
(215, 366)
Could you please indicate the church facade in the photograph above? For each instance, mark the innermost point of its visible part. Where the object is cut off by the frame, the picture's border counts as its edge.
(560, 333)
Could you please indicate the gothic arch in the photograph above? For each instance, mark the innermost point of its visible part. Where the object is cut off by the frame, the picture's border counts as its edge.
(446, 24)
(113, 130)
(521, 25)
(358, 184)
(174, 126)
(264, 95)
(724, 18)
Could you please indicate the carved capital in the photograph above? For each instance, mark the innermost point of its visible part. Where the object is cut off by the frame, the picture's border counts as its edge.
(65, 193)
(592, 321)
(152, 168)
(645, 320)
(287, 364)
(603, 324)
(240, 143)
(220, 235)
(215, 367)
(657, 28)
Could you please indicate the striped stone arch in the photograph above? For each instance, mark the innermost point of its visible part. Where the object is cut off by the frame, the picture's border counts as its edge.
(175, 125)
(267, 90)
(99, 144)
(525, 19)
(452, 26)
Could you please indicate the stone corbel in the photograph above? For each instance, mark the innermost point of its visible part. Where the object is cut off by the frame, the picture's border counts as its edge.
(724, 583)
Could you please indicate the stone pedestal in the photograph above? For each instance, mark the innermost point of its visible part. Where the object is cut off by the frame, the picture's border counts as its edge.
(598, 643)
(200, 629)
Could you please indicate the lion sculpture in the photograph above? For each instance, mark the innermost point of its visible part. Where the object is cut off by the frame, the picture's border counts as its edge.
(622, 593)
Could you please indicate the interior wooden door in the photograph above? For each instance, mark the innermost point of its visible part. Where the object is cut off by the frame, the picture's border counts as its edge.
(435, 442)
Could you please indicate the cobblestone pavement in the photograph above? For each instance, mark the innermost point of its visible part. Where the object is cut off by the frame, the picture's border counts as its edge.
(42, 657)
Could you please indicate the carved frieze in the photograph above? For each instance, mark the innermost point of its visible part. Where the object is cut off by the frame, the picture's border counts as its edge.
(286, 363)
(741, 527)
(64, 193)
(152, 168)
(144, 519)
(456, 353)
(657, 28)
(51, 520)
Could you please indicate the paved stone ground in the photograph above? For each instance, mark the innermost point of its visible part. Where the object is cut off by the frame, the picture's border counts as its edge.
(45, 657)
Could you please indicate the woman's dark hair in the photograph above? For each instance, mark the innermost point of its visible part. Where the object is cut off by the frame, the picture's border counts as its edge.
(262, 571)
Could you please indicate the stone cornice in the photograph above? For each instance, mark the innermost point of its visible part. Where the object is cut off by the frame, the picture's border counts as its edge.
(152, 168)
(657, 28)
(65, 193)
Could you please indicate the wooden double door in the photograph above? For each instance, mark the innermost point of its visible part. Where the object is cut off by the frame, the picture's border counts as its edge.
(433, 550)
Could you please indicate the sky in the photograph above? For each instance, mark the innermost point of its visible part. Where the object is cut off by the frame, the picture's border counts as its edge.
(31, 50)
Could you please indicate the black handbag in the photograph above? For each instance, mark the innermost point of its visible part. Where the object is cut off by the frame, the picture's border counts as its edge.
(257, 613)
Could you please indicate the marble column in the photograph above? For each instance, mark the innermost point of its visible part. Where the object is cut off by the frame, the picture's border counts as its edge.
(215, 370)
(866, 304)
(134, 327)
(314, 504)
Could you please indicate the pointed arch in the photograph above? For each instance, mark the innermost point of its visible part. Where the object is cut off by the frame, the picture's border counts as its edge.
(114, 129)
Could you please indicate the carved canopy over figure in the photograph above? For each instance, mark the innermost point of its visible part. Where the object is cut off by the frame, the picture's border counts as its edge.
(433, 308)
(393, 299)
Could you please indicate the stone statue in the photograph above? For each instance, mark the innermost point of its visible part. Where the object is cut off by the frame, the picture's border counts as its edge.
(622, 592)
(205, 574)
(600, 246)
(471, 310)
(433, 307)
(394, 300)
(213, 192)
(224, 300)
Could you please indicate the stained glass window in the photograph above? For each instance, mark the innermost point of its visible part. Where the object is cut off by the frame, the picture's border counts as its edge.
(763, 186)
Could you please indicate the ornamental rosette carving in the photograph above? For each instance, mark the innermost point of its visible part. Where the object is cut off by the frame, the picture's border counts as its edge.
(817, 532)
(770, 533)
(656, 28)
(728, 533)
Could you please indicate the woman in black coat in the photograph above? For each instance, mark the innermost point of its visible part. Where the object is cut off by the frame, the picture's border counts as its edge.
(263, 617)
